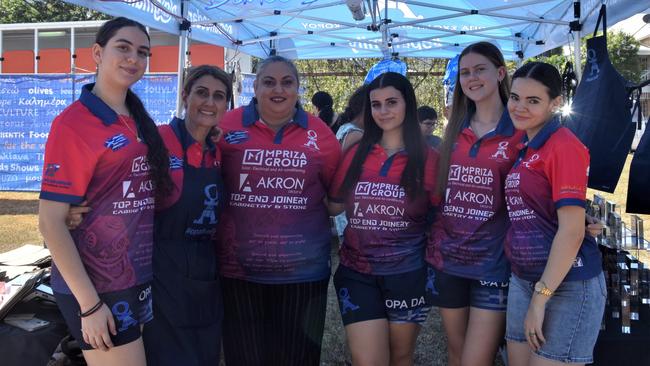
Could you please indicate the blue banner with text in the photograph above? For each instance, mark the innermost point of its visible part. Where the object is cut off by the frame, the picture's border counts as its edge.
(28, 105)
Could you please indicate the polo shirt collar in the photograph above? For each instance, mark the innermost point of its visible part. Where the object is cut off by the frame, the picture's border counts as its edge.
(185, 138)
(96, 106)
(504, 126)
(250, 115)
(544, 134)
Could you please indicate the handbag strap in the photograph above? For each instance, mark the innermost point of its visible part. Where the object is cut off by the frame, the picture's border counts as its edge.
(602, 15)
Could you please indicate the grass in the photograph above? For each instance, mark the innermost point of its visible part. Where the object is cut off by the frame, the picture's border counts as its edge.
(19, 225)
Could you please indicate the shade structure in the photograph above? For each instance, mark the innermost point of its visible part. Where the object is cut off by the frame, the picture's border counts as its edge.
(326, 29)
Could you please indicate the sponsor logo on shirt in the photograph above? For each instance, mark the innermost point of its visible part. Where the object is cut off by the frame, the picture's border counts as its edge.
(274, 158)
(532, 159)
(128, 191)
(501, 151)
(236, 137)
(51, 169)
(385, 190)
(244, 183)
(139, 165)
(470, 174)
(312, 138)
(116, 142)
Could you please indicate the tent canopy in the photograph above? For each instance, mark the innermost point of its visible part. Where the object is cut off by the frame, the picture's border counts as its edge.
(312, 29)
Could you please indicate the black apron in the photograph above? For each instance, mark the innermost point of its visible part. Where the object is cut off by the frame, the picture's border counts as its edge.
(638, 192)
(187, 303)
(601, 116)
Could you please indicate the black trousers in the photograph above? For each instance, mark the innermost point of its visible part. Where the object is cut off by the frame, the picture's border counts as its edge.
(269, 325)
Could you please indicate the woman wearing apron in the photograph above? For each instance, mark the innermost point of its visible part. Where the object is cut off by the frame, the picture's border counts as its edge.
(188, 310)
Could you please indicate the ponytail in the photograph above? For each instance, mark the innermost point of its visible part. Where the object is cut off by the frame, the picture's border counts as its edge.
(157, 154)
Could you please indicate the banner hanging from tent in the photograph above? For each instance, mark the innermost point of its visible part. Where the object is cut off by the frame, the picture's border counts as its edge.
(31, 102)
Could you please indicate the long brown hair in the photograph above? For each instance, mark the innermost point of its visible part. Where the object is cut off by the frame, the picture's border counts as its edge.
(157, 154)
(464, 107)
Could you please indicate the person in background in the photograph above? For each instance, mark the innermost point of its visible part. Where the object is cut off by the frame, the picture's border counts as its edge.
(105, 149)
(350, 122)
(274, 236)
(188, 307)
(349, 132)
(557, 289)
(386, 186)
(469, 270)
(324, 108)
(428, 119)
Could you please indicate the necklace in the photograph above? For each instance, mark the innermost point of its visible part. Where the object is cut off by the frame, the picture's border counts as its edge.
(137, 137)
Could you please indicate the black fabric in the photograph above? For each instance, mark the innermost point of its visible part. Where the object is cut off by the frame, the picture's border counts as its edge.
(601, 116)
(188, 310)
(638, 192)
(273, 325)
(21, 348)
(616, 348)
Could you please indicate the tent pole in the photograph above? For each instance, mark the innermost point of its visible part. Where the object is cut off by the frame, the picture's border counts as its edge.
(182, 48)
(577, 62)
(36, 57)
(1, 61)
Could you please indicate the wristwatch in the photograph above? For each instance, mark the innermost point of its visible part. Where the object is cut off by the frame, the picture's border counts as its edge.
(540, 288)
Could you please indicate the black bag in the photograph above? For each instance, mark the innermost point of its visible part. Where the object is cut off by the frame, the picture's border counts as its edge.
(601, 116)
(638, 192)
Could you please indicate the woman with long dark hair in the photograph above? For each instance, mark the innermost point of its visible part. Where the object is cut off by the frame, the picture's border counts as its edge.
(557, 289)
(386, 186)
(469, 270)
(105, 149)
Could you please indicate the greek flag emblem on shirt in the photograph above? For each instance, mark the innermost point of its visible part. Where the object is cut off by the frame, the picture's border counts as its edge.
(175, 162)
(116, 142)
(236, 137)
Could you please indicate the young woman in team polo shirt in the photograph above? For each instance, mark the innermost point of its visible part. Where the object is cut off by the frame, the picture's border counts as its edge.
(103, 148)
(557, 289)
(274, 236)
(386, 186)
(469, 268)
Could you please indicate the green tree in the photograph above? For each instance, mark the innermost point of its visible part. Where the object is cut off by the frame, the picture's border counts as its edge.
(342, 76)
(622, 49)
(35, 11)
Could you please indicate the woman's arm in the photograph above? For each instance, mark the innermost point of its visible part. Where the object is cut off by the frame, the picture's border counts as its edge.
(567, 242)
(335, 208)
(52, 224)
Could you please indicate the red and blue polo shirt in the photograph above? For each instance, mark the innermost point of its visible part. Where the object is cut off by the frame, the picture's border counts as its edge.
(275, 228)
(386, 231)
(91, 155)
(551, 172)
(177, 139)
(468, 233)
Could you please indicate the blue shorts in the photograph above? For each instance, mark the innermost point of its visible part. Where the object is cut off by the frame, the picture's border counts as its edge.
(130, 308)
(571, 321)
(453, 292)
(399, 298)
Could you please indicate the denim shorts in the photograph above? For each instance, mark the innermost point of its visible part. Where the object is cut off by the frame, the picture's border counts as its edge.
(399, 298)
(452, 292)
(571, 321)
